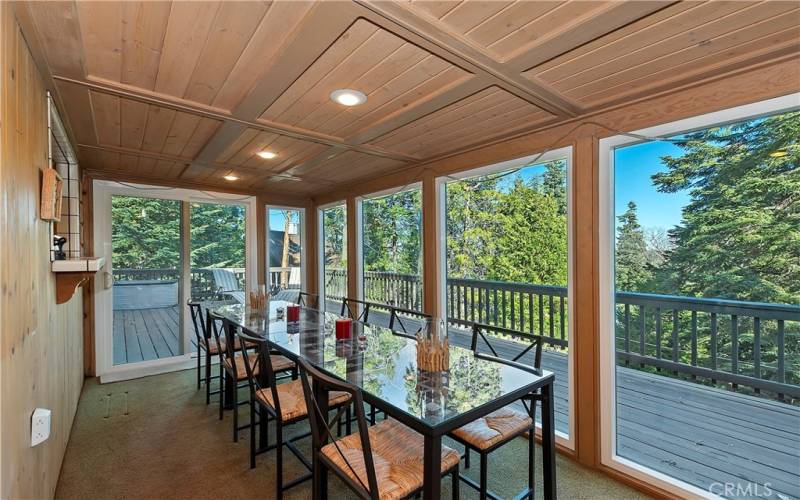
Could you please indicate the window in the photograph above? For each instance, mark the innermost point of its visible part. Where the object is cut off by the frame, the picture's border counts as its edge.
(392, 249)
(701, 317)
(507, 260)
(285, 249)
(334, 256)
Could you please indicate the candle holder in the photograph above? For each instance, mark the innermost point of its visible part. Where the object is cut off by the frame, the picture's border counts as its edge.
(433, 346)
(344, 328)
(292, 313)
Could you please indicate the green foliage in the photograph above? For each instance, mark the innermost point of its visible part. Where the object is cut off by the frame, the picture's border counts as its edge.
(740, 234)
(334, 237)
(217, 235)
(505, 230)
(392, 233)
(146, 234)
(631, 266)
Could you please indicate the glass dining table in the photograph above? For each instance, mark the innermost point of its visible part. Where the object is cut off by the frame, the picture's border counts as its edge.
(383, 365)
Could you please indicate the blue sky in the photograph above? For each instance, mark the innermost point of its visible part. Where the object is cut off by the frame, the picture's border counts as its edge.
(633, 167)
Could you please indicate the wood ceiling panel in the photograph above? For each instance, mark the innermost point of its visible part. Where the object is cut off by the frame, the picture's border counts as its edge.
(290, 151)
(488, 113)
(505, 29)
(134, 125)
(393, 73)
(129, 164)
(352, 165)
(143, 28)
(231, 32)
(650, 51)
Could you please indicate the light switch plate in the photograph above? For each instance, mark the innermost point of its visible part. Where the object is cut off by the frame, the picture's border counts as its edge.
(40, 426)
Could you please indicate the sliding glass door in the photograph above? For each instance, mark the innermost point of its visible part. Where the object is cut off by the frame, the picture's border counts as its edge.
(163, 247)
(146, 261)
(217, 251)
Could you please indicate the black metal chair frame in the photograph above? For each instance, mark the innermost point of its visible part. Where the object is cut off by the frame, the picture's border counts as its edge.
(305, 299)
(228, 374)
(529, 402)
(321, 432)
(395, 319)
(266, 379)
(363, 316)
(201, 328)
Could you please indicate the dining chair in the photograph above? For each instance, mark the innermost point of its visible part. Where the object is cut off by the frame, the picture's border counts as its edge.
(350, 309)
(232, 368)
(280, 403)
(406, 322)
(207, 347)
(306, 299)
(396, 448)
(500, 427)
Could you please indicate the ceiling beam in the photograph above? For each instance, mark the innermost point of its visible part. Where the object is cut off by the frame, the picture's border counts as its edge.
(454, 48)
(319, 27)
(177, 104)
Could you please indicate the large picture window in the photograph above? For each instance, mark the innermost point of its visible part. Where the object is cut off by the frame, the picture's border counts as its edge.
(334, 256)
(507, 233)
(702, 311)
(392, 249)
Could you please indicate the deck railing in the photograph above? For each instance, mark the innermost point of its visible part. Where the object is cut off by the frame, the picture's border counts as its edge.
(737, 343)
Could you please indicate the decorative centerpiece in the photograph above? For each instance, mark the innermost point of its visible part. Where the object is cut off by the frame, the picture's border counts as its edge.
(433, 346)
(258, 300)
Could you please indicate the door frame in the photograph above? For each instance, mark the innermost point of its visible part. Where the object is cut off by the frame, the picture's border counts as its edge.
(103, 297)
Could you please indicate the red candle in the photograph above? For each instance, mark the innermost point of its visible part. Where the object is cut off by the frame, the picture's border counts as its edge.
(292, 313)
(343, 328)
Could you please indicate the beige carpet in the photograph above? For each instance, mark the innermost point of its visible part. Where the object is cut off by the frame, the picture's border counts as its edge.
(154, 438)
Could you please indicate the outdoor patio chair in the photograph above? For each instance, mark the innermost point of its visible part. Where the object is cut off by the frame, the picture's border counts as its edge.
(396, 448)
(281, 403)
(491, 432)
(227, 284)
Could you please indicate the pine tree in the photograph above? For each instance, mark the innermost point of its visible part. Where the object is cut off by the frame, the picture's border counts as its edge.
(632, 271)
(740, 234)
(554, 183)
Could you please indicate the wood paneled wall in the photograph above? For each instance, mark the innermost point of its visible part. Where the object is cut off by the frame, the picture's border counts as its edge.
(41, 345)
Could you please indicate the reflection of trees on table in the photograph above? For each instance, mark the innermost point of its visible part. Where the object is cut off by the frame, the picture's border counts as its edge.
(470, 381)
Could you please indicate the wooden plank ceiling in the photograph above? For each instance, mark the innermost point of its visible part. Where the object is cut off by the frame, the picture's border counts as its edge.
(191, 91)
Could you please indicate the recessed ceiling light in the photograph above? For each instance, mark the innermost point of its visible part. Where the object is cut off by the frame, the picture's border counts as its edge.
(348, 97)
(231, 177)
(779, 154)
(267, 155)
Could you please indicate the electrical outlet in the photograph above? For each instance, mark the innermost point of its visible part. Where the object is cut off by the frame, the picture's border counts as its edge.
(40, 426)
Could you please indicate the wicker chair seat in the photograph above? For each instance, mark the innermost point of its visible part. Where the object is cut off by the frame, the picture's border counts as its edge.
(293, 403)
(494, 428)
(396, 453)
(212, 347)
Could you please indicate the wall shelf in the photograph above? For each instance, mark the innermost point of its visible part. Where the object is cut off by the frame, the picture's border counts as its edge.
(71, 273)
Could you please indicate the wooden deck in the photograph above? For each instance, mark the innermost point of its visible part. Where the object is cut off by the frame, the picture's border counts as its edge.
(693, 432)
(146, 334)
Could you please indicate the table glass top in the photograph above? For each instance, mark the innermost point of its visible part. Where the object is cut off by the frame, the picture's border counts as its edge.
(384, 365)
